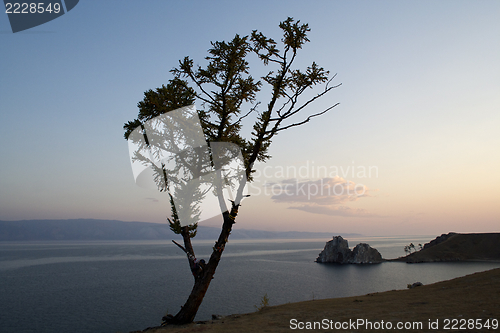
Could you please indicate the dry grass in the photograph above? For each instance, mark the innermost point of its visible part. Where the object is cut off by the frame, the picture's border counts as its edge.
(475, 296)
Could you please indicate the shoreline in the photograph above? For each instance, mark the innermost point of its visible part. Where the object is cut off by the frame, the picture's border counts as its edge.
(472, 297)
(403, 260)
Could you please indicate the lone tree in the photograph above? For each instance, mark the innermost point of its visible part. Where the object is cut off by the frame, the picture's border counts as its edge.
(228, 94)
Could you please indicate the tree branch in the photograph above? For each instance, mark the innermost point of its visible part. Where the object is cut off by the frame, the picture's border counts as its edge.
(304, 121)
(252, 109)
(179, 245)
(327, 83)
(290, 113)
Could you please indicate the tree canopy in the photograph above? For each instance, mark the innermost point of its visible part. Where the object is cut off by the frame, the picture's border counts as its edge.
(227, 94)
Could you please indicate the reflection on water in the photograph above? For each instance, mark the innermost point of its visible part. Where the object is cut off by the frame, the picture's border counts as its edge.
(125, 286)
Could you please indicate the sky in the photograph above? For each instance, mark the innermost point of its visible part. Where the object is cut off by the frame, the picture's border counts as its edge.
(412, 148)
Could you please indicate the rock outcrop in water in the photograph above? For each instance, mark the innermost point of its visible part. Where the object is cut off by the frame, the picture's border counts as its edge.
(337, 251)
(365, 254)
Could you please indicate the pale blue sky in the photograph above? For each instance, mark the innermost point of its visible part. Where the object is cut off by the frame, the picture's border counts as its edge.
(420, 101)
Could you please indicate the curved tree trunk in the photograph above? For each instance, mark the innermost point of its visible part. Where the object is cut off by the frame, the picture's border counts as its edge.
(202, 282)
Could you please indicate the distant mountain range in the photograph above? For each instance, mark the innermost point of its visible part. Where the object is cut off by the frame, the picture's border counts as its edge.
(90, 229)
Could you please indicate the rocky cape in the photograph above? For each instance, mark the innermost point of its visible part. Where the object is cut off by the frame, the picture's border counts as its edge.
(337, 251)
(458, 247)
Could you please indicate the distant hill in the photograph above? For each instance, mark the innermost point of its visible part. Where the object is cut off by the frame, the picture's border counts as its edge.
(90, 229)
(458, 247)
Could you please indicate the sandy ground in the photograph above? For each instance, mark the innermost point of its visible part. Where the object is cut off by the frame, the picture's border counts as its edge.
(468, 302)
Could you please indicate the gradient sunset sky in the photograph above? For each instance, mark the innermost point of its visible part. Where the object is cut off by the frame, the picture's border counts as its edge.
(418, 125)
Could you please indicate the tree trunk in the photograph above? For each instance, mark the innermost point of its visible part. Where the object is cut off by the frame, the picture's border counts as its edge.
(202, 282)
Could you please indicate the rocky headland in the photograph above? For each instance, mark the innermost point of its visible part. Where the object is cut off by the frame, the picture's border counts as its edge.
(337, 251)
(458, 247)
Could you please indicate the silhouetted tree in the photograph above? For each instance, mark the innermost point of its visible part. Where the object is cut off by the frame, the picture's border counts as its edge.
(228, 94)
(412, 247)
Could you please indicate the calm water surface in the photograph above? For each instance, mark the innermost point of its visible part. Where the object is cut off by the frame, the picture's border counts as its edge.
(124, 286)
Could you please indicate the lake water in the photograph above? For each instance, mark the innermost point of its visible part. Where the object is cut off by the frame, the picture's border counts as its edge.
(113, 287)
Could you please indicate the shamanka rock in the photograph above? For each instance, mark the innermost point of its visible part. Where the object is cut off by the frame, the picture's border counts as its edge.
(337, 251)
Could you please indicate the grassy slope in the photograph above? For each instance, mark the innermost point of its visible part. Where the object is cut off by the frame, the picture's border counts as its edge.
(475, 296)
